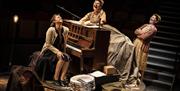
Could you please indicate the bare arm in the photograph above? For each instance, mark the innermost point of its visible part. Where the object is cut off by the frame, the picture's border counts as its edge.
(85, 18)
(66, 30)
(103, 18)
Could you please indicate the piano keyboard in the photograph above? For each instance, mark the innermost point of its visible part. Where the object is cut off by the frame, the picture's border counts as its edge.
(73, 48)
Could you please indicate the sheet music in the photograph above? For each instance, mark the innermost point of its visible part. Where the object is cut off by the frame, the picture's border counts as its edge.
(78, 23)
(74, 21)
(92, 26)
(97, 74)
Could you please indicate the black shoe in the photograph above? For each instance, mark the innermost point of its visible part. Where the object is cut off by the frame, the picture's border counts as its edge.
(56, 82)
(64, 83)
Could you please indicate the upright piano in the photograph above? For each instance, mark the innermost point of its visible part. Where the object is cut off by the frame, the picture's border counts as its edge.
(89, 44)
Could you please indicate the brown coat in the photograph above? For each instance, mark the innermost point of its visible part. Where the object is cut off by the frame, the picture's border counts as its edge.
(51, 37)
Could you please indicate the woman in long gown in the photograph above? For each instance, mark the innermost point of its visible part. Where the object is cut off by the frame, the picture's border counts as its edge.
(144, 34)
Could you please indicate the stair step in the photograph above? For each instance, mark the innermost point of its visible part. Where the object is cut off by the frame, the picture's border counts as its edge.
(170, 23)
(169, 18)
(162, 7)
(154, 71)
(158, 76)
(156, 88)
(170, 3)
(164, 47)
(160, 65)
(169, 13)
(167, 34)
(169, 29)
(157, 81)
(164, 44)
(162, 51)
(165, 53)
(173, 19)
(166, 40)
(161, 60)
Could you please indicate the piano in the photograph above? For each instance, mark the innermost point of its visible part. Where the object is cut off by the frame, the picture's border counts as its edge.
(89, 44)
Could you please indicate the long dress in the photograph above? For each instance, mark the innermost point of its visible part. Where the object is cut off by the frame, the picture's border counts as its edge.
(49, 58)
(140, 55)
(142, 43)
(121, 56)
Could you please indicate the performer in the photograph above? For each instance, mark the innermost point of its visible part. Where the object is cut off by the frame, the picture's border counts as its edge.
(54, 47)
(96, 17)
(144, 34)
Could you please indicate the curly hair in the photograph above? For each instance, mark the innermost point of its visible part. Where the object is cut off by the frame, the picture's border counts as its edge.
(158, 17)
(101, 1)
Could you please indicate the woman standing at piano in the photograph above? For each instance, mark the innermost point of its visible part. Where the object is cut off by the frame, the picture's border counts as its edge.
(97, 16)
(54, 47)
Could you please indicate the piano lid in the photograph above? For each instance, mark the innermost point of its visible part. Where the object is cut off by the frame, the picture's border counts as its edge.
(73, 21)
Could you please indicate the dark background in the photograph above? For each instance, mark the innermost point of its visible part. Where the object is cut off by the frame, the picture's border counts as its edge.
(20, 40)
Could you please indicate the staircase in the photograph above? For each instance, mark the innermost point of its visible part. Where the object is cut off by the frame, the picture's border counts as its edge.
(164, 50)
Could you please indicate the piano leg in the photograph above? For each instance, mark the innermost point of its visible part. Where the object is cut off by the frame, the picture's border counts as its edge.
(87, 64)
(81, 64)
